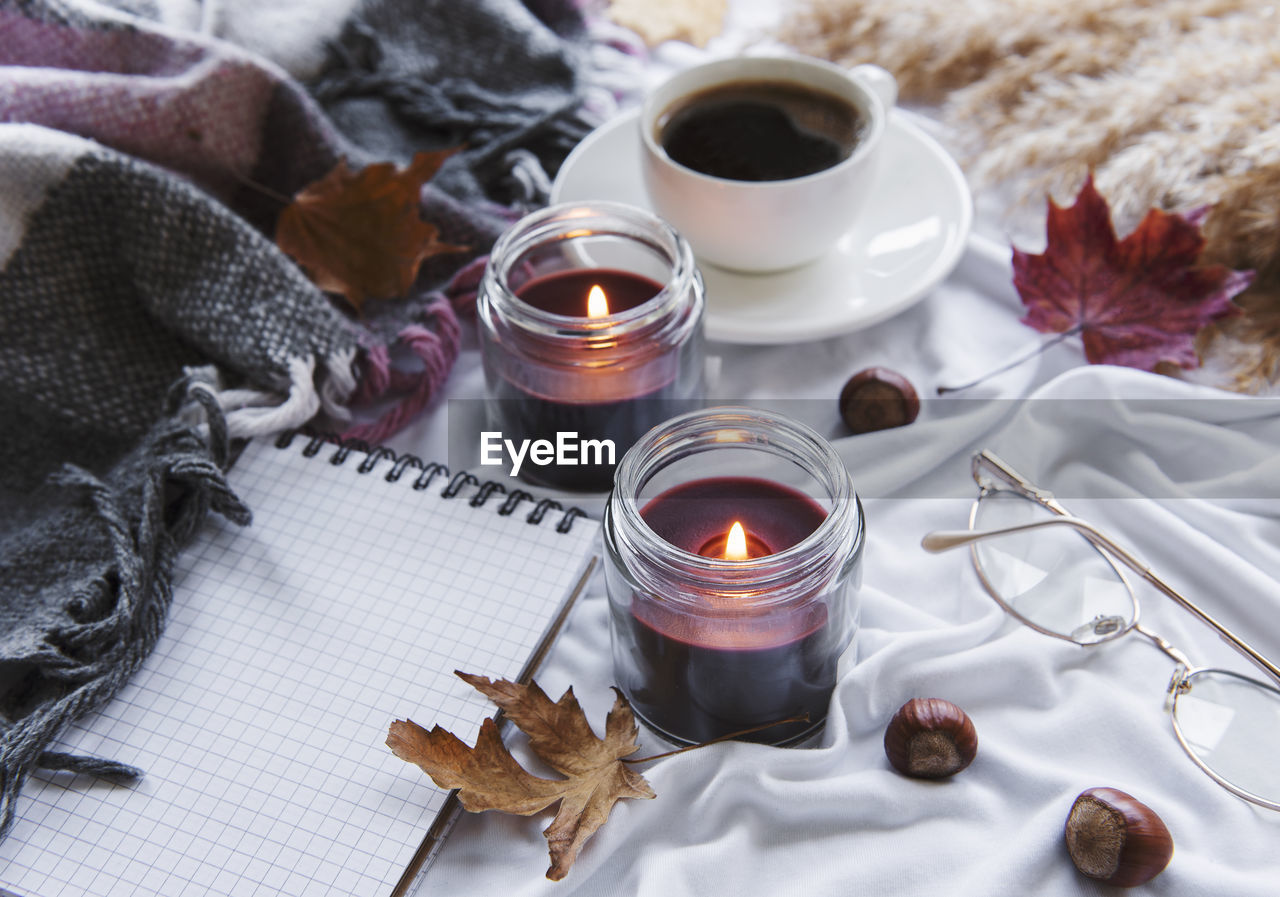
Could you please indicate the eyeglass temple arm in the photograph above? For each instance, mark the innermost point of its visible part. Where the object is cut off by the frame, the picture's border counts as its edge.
(943, 540)
(988, 462)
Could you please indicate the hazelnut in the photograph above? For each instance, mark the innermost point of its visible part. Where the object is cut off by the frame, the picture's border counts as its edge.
(929, 738)
(1116, 838)
(878, 399)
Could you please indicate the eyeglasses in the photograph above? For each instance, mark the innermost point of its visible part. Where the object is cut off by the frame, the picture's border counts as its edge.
(1063, 577)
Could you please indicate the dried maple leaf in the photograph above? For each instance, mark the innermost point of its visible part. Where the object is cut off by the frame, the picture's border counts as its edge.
(1135, 302)
(359, 233)
(489, 778)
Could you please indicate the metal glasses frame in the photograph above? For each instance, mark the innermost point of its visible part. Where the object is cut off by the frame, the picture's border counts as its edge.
(993, 475)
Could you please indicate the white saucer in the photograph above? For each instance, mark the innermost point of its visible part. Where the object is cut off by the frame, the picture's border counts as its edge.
(904, 244)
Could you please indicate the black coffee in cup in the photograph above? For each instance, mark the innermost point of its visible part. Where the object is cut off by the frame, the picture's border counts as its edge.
(760, 130)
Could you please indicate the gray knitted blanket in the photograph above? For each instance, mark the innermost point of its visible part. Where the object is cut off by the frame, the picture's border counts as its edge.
(146, 316)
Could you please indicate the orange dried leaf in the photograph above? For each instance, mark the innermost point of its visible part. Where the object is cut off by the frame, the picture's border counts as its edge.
(359, 233)
(489, 778)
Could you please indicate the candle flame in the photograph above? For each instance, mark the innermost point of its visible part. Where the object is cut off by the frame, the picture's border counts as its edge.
(597, 304)
(735, 545)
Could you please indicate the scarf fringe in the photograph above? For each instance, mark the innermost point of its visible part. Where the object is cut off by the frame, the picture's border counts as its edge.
(120, 614)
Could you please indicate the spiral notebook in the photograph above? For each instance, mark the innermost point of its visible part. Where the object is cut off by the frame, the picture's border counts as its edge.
(261, 716)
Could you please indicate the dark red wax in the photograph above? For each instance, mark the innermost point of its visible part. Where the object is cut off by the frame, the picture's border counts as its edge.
(698, 677)
(565, 292)
(693, 514)
(522, 414)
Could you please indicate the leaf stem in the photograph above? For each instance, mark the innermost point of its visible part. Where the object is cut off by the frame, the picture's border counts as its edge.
(263, 189)
(1043, 346)
(801, 718)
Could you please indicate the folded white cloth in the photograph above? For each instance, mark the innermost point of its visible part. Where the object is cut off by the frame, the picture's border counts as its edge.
(1186, 477)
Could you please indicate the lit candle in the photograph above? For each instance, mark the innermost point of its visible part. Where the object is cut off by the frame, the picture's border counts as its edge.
(731, 596)
(735, 543)
(601, 351)
(598, 302)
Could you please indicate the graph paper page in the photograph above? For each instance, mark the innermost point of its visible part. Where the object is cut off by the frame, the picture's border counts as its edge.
(261, 717)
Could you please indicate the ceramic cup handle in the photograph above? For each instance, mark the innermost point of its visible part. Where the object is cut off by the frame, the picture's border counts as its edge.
(879, 81)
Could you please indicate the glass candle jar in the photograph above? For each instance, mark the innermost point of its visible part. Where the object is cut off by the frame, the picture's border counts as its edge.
(733, 542)
(590, 331)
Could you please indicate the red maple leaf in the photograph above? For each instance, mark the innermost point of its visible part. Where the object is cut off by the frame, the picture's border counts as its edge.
(1135, 302)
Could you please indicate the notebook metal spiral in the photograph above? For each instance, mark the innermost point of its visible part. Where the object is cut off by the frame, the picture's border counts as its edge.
(427, 473)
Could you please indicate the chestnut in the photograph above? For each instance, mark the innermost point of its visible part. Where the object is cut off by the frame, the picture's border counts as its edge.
(1116, 838)
(878, 399)
(929, 738)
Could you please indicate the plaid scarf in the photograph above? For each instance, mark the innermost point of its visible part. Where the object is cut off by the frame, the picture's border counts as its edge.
(141, 163)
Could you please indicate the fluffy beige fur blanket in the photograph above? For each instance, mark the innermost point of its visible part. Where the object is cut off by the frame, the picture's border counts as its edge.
(1173, 103)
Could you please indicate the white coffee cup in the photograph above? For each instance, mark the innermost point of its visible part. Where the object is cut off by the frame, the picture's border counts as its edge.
(759, 226)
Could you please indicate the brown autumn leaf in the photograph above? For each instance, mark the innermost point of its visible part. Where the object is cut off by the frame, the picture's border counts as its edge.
(489, 778)
(358, 233)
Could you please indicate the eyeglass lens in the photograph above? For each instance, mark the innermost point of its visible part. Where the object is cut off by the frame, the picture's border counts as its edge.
(1231, 724)
(1053, 577)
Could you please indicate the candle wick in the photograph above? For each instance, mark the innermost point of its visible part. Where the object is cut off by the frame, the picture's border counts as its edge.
(801, 718)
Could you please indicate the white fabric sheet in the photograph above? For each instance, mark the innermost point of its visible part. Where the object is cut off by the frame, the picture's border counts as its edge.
(1052, 718)
(1189, 478)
